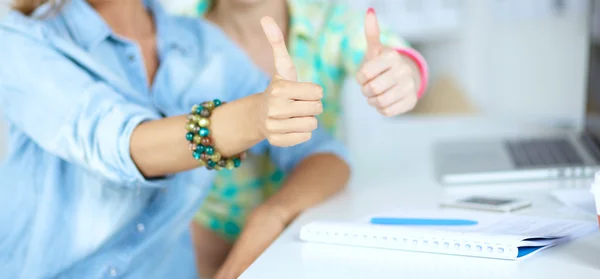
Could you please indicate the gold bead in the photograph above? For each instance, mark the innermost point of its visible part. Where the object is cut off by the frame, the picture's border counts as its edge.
(201, 163)
(203, 122)
(197, 139)
(216, 157)
(196, 118)
(190, 126)
(218, 168)
(194, 107)
(230, 165)
(209, 105)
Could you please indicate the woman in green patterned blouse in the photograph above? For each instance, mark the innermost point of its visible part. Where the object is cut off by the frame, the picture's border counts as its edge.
(328, 43)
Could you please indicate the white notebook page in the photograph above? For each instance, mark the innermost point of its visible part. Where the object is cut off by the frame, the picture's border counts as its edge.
(510, 225)
(500, 235)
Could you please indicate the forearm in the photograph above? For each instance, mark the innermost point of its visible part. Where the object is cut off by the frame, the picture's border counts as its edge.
(312, 181)
(315, 179)
(159, 147)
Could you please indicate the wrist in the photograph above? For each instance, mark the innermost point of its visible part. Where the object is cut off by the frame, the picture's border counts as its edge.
(233, 126)
(421, 65)
(254, 117)
(257, 117)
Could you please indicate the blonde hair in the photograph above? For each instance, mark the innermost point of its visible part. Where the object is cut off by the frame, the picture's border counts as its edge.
(28, 6)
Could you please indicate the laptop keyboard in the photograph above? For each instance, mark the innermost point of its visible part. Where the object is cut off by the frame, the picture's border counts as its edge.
(543, 152)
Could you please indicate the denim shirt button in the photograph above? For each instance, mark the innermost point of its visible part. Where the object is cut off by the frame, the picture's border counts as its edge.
(140, 227)
(112, 271)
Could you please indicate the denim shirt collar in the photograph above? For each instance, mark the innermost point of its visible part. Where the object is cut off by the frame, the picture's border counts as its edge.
(89, 29)
(86, 26)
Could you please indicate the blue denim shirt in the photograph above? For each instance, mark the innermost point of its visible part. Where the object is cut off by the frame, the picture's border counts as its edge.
(73, 203)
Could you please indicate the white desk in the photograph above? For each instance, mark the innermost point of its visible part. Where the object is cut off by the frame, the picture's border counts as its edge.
(404, 178)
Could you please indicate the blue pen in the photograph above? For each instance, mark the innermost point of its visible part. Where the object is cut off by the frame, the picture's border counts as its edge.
(421, 222)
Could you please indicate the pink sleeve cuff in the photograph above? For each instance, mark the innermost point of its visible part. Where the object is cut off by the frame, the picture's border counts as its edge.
(421, 64)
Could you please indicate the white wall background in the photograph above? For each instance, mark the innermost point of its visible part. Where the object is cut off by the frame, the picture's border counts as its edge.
(524, 64)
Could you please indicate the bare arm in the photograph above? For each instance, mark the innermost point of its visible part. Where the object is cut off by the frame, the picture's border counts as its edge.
(314, 180)
(159, 147)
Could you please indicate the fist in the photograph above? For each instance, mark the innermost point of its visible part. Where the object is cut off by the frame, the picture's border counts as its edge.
(389, 80)
(288, 114)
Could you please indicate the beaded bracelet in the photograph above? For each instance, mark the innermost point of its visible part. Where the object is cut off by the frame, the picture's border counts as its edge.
(200, 142)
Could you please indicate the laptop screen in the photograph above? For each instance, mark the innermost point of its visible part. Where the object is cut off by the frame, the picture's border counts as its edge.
(593, 95)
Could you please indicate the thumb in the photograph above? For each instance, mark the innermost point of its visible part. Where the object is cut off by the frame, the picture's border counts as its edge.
(284, 66)
(374, 46)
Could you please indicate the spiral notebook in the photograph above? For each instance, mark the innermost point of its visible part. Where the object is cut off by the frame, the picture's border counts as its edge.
(498, 236)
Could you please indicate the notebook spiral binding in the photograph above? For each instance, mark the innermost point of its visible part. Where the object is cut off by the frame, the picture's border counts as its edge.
(451, 243)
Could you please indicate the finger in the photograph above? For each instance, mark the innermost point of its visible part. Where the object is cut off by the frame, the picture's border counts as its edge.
(292, 125)
(385, 99)
(297, 109)
(401, 106)
(300, 91)
(372, 33)
(375, 67)
(284, 66)
(287, 140)
(382, 83)
(393, 95)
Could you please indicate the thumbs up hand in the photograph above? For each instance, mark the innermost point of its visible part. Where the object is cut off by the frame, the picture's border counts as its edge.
(287, 115)
(389, 80)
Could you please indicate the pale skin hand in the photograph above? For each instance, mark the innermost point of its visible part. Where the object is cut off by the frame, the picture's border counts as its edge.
(291, 106)
(389, 80)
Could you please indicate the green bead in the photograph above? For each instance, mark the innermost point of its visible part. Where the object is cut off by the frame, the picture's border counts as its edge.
(211, 163)
(209, 150)
(217, 102)
(189, 136)
(237, 162)
(200, 148)
(197, 154)
(199, 110)
(203, 132)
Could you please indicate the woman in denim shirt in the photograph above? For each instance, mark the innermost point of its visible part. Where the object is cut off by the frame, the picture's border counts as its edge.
(100, 181)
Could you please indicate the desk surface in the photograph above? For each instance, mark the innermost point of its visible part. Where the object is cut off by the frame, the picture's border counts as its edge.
(406, 180)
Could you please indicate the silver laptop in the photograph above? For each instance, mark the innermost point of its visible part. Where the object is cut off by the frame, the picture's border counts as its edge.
(546, 157)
